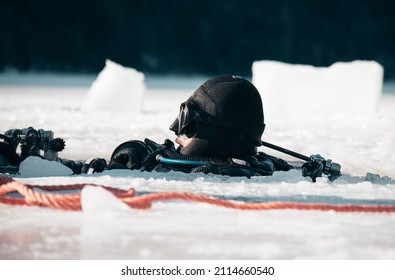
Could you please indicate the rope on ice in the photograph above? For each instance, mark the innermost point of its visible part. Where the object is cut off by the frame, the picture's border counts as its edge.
(44, 197)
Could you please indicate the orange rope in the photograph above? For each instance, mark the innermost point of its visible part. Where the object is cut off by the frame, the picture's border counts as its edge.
(73, 201)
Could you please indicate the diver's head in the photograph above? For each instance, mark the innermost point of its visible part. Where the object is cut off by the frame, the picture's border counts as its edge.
(222, 118)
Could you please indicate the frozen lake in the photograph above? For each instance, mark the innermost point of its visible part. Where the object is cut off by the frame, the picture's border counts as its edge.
(181, 230)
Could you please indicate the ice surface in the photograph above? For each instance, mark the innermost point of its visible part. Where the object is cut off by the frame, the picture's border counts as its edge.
(182, 230)
(37, 167)
(117, 88)
(345, 89)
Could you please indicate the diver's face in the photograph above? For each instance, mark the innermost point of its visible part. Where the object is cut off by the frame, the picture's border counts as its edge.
(183, 141)
(186, 137)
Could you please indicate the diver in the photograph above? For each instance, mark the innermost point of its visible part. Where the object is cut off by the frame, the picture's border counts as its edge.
(219, 129)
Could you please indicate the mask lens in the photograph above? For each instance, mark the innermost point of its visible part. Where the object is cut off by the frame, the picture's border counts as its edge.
(190, 130)
(183, 119)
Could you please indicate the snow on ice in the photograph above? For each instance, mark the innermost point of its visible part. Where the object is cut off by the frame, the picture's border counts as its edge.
(106, 229)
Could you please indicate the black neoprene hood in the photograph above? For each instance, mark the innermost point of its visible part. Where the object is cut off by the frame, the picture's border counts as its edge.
(234, 100)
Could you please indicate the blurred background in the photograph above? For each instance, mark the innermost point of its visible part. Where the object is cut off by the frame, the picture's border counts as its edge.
(204, 37)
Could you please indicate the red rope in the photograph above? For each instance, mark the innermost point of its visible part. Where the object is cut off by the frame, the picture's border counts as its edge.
(72, 202)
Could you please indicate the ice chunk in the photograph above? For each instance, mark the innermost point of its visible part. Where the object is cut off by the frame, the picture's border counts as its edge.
(97, 200)
(116, 89)
(37, 167)
(290, 91)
